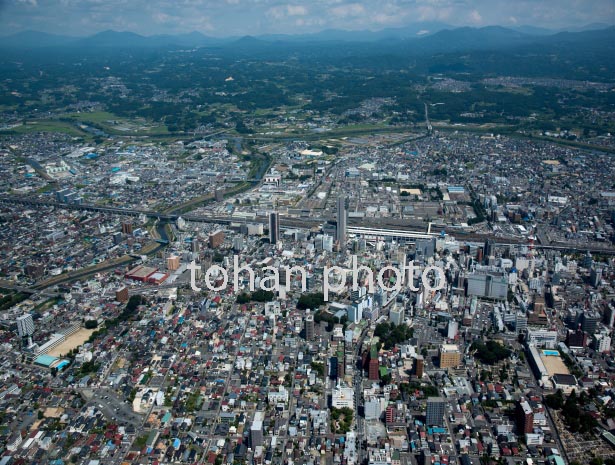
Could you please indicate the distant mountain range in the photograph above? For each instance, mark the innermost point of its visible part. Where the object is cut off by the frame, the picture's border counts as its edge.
(421, 37)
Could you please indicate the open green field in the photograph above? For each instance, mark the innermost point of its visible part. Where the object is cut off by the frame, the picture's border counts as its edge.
(116, 125)
(46, 126)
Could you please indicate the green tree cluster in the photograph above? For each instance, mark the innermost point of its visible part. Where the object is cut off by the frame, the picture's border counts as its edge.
(490, 353)
(391, 334)
(313, 301)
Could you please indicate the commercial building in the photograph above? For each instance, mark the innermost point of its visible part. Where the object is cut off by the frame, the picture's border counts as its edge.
(488, 285)
(216, 239)
(436, 408)
(256, 430)
(140, 273)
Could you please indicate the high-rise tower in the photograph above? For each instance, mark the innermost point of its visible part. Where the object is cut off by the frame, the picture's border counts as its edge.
(274, 227)
(341, 221)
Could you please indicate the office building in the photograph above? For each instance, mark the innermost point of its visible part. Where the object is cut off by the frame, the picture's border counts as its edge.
(173, 262)
(419, 366)
(25, 325)
(274, 227)
(595, 277)
(520, 322)
(488, 285)
(609, 316)
(590, 321)
(396, 315)
(425, 247)
(327, 243)
(374, 406)
(342, 397)
(489, 249)
(117, 238)
(238, 245)
(354, 312)
(453, 328)
(450, 357)
(341, 221)
(436, 408)
(309, 327)
(333, 368)
(194, 246)
(356, 294)
(121, 294)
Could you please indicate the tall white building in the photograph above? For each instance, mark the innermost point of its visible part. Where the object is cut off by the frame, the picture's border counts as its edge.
(327, 243)
(396, 315)
(453, 327)
(603, 342)
(25, 325)
(342, 396)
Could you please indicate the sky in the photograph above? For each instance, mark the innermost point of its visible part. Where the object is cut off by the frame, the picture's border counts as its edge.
(256, 17)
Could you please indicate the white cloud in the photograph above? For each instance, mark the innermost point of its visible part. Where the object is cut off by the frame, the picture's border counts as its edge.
(161, 18)
(284, 11)
(348, 11)
(382, 18)
(475, 17)
(433, 13)
(296, 10)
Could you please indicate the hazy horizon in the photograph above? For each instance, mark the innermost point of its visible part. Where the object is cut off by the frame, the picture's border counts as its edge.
(226, 18)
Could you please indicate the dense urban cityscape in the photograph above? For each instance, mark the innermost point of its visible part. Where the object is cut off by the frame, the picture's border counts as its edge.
(202, 240)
